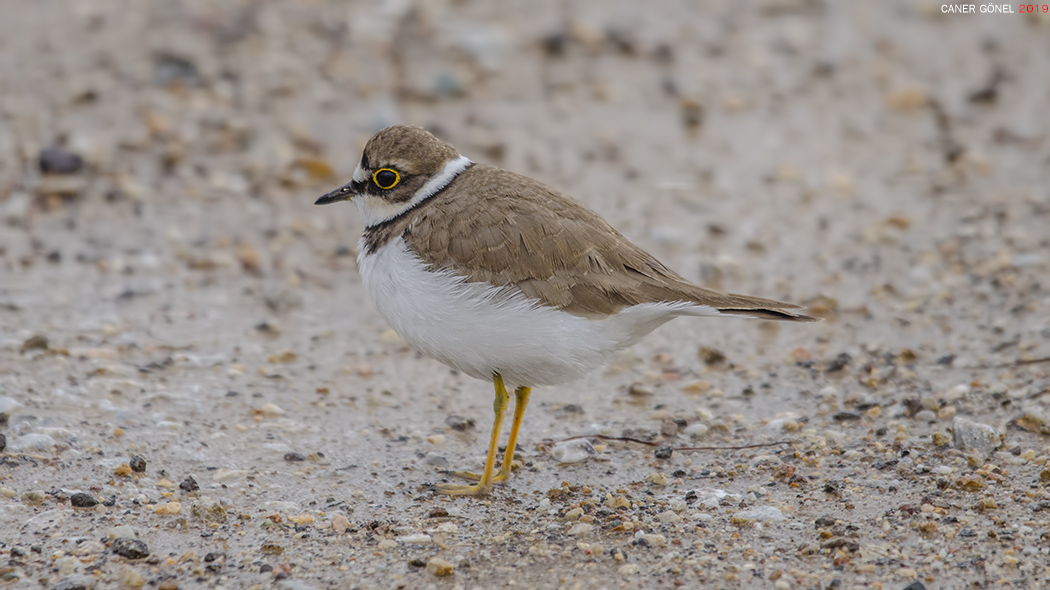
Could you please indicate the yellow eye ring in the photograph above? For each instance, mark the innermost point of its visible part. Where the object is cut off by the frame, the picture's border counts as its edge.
(385, 178)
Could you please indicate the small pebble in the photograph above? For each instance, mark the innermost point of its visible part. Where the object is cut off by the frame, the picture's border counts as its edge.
(640, 390)
(696, 429)
(168, 508)
(130, 578)
(83, 500)
(759, 513)
(34, 497)
(54, 160)
(340, 523)
(573, 451)
(969, 435)
(459, 423)
(439, 567)
(120, 531)
(271, 410)
(656, 479)
(130, 548)
(75, 582)
(294, 457)
(668, 517)
(580, 528)
(651, 539)
(89, 548)
(663, 452)
(189, 485)
(28, 443)
(628, 570)
(137, 464)
(435, 459)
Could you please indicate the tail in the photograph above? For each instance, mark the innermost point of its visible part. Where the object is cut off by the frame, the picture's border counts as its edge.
(747, 306)
(765, 313)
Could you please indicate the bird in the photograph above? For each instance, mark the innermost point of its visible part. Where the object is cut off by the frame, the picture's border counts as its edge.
(503, 278)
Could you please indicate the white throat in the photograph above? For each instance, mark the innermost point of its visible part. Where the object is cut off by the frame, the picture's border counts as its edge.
(376, 211)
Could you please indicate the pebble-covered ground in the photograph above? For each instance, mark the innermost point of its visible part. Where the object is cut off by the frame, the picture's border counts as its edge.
(196, 393)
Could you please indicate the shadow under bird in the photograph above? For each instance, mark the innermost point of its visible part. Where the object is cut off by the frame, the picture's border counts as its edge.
(505, 279)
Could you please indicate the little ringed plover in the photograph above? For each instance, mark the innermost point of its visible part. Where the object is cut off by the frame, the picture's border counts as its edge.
(501, 277)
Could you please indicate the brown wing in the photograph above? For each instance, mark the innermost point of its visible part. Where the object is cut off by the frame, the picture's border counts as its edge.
(555, 250)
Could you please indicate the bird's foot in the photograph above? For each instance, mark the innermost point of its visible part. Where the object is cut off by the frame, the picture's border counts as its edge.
(501, 476)
(464, 490)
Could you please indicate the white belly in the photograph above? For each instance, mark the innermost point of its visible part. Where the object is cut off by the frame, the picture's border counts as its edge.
(481, 330)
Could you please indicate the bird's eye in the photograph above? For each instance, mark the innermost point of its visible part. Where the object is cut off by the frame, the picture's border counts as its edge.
(385, 178)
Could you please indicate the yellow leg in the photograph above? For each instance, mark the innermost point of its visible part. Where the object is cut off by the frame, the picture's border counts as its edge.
(521, 399)
(484, 485)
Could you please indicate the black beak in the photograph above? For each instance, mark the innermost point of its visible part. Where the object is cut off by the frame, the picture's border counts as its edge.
(344, 193)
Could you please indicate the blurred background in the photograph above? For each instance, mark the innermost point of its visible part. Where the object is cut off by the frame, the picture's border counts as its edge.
(163, 269)
(825, 152)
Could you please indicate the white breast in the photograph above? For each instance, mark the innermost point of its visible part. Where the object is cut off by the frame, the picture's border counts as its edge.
(479, 329)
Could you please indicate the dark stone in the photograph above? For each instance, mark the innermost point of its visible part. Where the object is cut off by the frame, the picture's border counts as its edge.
(663, 452)
(130, 548)
(294, 457)
(838, 363)
(418, 562)
(824, 521)
(83, 500)
(438, 512)
(554, 45)
(37, 342)
(189, 485)
(55, 160)
(832, 487)
(212, 556)
(916, 585)
(851, 546)
(459, 423)
(169, 69)
(3, 442)
(267, 568)
(137, 464)
(846, 417)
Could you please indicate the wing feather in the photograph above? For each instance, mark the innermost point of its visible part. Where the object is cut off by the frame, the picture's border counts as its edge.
(555, 250)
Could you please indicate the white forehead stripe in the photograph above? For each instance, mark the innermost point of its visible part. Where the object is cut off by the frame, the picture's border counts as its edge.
(376, 211)
(359, 174)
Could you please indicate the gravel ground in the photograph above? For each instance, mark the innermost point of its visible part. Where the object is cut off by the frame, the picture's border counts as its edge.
(197, 393)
